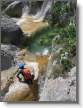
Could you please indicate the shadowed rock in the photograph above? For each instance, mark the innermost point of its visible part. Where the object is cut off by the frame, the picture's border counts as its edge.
(10, 32)
(14, 9)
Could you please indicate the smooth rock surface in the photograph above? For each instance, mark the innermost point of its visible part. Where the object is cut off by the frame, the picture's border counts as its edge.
(60, 89)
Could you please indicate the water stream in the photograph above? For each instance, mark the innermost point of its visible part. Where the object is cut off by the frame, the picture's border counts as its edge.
(44, 9)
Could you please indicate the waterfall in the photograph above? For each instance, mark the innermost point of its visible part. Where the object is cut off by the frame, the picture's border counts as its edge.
(44, 9)
(25, 11)
(43, 90)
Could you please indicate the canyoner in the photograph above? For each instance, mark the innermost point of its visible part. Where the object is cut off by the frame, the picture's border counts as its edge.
(25, 74)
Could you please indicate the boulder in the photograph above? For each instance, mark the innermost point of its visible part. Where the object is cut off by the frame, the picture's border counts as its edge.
(7, 60)
(17, 92)
(10, 32)
(61, 89)
(14, 9)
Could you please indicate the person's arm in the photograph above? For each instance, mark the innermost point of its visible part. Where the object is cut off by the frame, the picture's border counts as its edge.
(19, 72)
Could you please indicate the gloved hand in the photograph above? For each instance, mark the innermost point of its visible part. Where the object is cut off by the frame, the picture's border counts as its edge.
(21, 78)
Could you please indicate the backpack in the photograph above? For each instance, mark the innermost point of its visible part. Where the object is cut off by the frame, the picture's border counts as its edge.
(26, 73)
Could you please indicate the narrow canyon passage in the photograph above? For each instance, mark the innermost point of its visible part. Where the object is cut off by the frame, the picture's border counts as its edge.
(40, 35)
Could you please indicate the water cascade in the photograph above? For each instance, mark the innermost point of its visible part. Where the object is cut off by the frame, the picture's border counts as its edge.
(44, 9)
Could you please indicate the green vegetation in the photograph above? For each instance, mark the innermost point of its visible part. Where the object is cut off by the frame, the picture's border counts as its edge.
(43, 37)
(60, 13)
(61, 22)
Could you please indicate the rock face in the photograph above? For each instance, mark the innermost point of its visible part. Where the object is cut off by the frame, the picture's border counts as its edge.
(35, 6)
(6, 80)
(8, 53)
(43, 11)
(6, 60)
(60, 89)
(14, 9)
(10, 32)
(60, 78)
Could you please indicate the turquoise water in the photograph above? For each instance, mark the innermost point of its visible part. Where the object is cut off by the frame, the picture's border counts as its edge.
(34, 48)
(41, 40)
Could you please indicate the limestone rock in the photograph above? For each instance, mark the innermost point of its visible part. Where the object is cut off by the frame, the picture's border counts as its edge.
(60, 89)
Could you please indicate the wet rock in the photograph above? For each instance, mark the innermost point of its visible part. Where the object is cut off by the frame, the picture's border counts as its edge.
(10, 32)
(14, 9)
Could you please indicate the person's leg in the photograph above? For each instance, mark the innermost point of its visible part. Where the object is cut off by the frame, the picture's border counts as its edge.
(32, 76)
(30, 82)
(26, 81)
